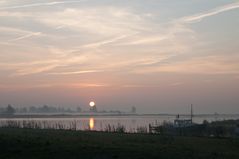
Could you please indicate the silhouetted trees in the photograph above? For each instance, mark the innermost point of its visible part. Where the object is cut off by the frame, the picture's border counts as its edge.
(53, 109)
(40, 109)
(9, 110)
(78, 109)
(133, 110)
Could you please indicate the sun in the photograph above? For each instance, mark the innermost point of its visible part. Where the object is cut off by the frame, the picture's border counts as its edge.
(92, 104)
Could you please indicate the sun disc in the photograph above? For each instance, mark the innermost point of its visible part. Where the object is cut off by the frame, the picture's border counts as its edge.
(92, 104)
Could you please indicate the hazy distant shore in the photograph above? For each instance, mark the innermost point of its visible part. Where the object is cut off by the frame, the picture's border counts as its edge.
(79, 115)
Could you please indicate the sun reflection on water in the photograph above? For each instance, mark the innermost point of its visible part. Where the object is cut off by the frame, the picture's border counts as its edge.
(92, 123)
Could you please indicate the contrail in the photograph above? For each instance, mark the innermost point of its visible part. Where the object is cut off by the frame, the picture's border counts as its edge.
(40, 4)
(25, 36)
(76, 72)
(199, 17)
(97, 44)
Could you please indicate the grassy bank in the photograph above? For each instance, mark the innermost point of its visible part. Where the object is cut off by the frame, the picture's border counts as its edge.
(30, 143)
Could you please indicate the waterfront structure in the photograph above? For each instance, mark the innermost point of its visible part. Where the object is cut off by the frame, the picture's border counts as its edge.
(184, 122)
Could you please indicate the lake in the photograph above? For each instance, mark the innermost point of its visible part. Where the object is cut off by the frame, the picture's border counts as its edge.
(99, 123)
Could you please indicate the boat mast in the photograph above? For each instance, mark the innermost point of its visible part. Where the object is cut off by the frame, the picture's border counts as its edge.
(191, 113)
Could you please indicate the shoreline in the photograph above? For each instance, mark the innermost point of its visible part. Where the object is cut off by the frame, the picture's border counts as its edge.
(72, 115)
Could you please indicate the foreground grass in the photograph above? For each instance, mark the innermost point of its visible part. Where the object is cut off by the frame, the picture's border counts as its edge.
(59, 144)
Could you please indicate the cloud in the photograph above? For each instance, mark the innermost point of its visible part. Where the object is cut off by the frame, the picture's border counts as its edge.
(28, 68)
(12, 14)
(40, 4)
(18, 87)
(35, 70)
(26, 36)
(147, 40)
(74, 72)
(201, 65)
(82, 85)
(14, 29)
(105, 42)
(139, 86)
(51, 63)
(107, 38)
(101, 21)
(39, 85)
(3, 2)
(199, 17)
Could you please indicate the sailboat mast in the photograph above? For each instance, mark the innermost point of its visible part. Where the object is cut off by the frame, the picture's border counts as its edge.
(191, 113)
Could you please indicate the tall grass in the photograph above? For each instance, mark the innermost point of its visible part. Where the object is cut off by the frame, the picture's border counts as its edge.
(60, 125)
(34, 124)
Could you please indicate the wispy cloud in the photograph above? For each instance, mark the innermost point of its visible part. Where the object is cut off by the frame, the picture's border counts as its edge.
(101, 21)
(14, 30)
(26, 36)
(40, 4)
(105, 42)
(82, 85)
(201, 65)
(199, 17)
(3, 2)
(139, 86)
(14, 87)
(147, 40)
(34, 70)
(110, 38)
(20, 87)
(74, 72)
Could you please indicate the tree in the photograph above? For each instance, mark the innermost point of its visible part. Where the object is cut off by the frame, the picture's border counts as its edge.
(133, 110)
(78, 109)
(10, 109)
(45, 109)
(32, 109)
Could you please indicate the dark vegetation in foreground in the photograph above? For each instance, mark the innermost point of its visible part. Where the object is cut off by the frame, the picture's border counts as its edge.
(18, 143)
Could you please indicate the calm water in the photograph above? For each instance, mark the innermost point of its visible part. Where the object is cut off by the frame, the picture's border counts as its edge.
(131, 123)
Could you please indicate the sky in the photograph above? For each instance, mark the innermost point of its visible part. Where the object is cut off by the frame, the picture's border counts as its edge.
(157, 55)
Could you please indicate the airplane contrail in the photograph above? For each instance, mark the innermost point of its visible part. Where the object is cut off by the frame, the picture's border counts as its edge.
(75, 72)
(40, 4)
(26, 36)
(199, 17)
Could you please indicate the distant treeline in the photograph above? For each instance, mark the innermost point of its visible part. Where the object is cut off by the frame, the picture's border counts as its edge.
(41, 109)
(51, 109)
